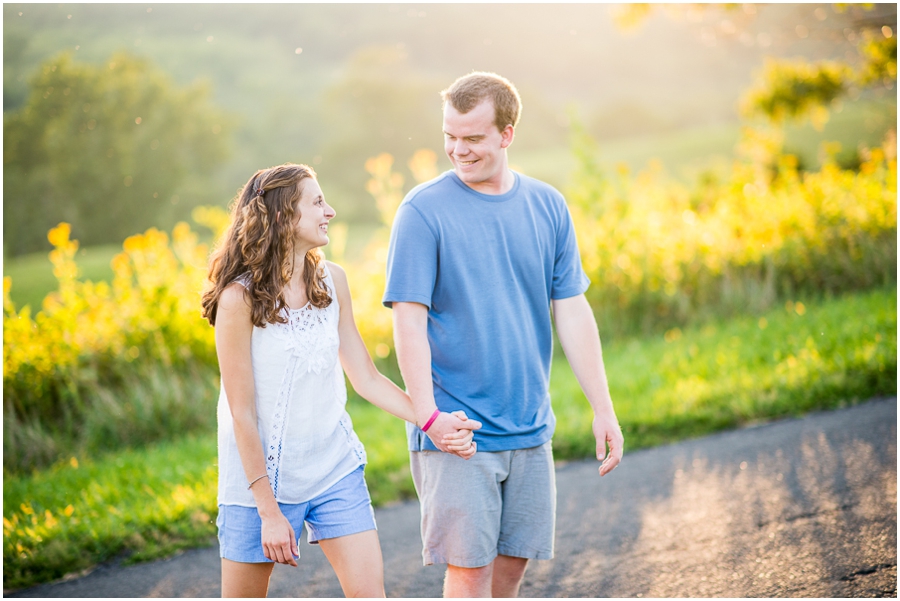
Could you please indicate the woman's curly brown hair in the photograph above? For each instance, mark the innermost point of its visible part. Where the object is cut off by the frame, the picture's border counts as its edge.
(259, 245)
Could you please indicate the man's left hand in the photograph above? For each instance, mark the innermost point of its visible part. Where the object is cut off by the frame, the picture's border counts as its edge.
(607, 432)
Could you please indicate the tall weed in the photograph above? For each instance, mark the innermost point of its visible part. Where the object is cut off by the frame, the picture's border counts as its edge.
(107, 364)
(661, 254)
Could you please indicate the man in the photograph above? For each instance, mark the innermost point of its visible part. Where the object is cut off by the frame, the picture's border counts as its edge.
(477, 259)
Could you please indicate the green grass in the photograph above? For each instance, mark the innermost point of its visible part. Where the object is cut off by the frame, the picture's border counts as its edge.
(32, 274)
(144, 503)
(147, 503)
(785, 363)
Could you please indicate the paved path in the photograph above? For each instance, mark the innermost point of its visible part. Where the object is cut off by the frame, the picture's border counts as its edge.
(795, 508)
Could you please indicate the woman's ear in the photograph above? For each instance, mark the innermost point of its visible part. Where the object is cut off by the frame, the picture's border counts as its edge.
(277, 216)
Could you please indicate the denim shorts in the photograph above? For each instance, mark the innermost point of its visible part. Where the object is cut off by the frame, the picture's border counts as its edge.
(496, 503)
(343, 509)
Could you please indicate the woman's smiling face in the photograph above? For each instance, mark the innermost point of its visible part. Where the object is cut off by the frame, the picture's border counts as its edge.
(311, 227)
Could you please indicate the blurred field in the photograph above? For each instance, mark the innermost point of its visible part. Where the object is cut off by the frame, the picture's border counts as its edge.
(683, 154)
(742, 267)
(149, 502)
(345, 82)
(686, 153)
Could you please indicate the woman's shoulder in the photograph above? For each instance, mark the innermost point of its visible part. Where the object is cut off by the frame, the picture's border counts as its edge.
(234, 296)
(335, 270)
(338, 276)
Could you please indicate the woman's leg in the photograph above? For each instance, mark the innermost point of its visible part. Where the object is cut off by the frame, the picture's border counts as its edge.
(245, 579)
(357, 561)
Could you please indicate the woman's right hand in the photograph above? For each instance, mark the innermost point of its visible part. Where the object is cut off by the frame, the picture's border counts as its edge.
(278, 540)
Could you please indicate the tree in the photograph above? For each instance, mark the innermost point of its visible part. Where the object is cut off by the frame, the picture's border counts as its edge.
(794, 89)
(104, 148)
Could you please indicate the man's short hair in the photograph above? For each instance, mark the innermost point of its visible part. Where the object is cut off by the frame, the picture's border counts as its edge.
(468, 91)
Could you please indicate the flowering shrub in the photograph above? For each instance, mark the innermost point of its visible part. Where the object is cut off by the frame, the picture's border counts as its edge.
(90, 340)
(660, 253)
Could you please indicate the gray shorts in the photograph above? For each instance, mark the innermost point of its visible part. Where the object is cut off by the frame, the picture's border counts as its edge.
(501, 503)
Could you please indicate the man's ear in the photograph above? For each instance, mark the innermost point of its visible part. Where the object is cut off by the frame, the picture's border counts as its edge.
(507, 136)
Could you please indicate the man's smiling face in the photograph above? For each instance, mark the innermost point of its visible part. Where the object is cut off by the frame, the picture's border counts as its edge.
(476, 147)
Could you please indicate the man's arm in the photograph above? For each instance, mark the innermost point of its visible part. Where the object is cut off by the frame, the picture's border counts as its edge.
(577, 331)
(414, 359)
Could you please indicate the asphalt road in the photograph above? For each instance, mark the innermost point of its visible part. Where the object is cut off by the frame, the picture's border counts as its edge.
(795, 508)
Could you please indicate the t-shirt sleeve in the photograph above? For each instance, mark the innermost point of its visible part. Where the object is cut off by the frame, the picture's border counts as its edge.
(569, 278)
(412, 259)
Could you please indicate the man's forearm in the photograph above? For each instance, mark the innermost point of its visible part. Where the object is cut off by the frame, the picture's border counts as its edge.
(414, 357)
(577, 331)
(578, 335)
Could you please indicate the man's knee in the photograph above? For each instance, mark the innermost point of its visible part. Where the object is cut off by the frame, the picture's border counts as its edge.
(512, 567)
(468, 582)
(507, 575)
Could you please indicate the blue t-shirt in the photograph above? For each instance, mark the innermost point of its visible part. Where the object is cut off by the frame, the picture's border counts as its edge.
(487, 266)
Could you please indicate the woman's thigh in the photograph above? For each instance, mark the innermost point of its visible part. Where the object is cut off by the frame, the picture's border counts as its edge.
(357, 561)
(245, 579)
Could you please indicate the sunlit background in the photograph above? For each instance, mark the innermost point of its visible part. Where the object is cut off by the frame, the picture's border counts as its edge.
(331, 85)
(731, 171)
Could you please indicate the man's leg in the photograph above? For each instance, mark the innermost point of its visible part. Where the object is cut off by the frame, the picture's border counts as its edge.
(461, 510)
(529, 517)
(500, 579)
(508, 574)
(468, 582)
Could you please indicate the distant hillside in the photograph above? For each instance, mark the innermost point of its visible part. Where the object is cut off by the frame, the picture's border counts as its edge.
(333, 84)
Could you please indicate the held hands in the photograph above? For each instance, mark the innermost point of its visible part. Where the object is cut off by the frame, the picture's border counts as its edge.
(452, 433)
(607, 432)
(278, 540)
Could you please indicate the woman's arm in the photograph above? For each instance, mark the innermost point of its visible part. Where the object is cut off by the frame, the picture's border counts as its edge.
(233, 331)
(368, 382)
(371, 384)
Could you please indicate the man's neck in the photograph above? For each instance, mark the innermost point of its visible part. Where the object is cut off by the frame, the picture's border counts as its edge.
(495, 187)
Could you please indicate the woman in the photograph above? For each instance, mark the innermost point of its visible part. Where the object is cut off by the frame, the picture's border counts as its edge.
(287, 450)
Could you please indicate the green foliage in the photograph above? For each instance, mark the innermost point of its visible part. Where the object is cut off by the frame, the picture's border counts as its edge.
(790, 89)
(151, 502)
(113, 406)
(796, 89)
(880, 55)
(104, 148)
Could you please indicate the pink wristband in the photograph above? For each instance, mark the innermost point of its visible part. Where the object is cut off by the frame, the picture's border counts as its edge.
(431, 419)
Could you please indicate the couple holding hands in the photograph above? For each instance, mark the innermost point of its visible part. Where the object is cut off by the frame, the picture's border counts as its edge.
(482, 262)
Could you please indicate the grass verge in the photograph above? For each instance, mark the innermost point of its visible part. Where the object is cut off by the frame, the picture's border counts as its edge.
(147, 503)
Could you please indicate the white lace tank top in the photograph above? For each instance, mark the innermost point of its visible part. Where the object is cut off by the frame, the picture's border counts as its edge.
(306, 433)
